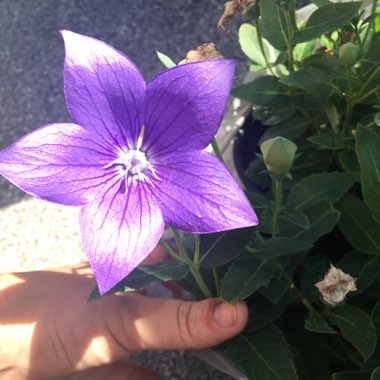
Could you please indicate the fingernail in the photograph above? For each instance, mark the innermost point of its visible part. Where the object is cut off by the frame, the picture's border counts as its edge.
(225, 315)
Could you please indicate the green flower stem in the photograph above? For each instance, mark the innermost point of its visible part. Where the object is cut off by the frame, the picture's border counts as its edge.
(183, 258)
(363, 89)
(277, 192)
(180, 246)
(216, 280)
(291, 284)
(194, 267)
(373, 11)
(261, 45)
(197, 249)
(349, 100)
(171, 252)
(290, 35)
(200, 281)
(217, 151)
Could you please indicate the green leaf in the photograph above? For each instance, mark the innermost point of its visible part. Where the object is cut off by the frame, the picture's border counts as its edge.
(326, 19)
(304, 50)
(265, 312)
(368, 151)
(165, 60)
(358, 226)
(262, 91)
(375, 314)
(144, 275)
(311, 79)
(349, 161)
(373, 53)
(368, 274)
(291, 129)
(249, 43)
(351, 375)
(313, 273)
(319, 187)
(274, 24)
(269, 118)
(275, 290)
(317, 324)
(330, 141)
(356, 327)
(263, 355)
(375, 374)
(295, 217)
(321, 3)
(323, 218)
(221, 247)
(362, 267)
(244, 277)
(279, 246)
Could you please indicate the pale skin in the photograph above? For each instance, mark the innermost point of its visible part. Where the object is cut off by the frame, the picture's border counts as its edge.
(49, 331)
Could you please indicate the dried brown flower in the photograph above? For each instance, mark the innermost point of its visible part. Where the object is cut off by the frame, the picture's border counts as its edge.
(335, 286)
(202, 52)
(231, 9)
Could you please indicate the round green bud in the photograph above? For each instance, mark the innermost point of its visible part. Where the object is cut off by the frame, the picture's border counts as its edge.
(348, 54)
(278, 155)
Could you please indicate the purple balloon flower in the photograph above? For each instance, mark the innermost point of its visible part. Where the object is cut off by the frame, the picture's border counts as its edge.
(133, 159)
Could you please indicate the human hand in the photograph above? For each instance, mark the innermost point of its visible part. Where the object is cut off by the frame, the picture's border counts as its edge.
(49, 331)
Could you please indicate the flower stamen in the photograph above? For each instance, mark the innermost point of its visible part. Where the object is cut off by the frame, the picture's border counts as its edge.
(133, 164)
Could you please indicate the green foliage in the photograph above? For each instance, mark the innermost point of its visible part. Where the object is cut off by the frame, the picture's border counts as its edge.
(264, 354)
(244, 277)
(315, 323)
(262, 91)
(274, 24)
(165, 60)
(327, 18)
(250, 44)
(316, 188)
(145, 275)
(358, 226)
(320, 92)
(356, 327)
(367, 148)
(222, 247)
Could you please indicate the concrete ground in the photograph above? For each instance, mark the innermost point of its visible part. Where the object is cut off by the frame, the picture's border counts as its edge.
(36, 234)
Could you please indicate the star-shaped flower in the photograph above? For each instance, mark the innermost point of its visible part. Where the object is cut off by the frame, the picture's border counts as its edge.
(133, 159)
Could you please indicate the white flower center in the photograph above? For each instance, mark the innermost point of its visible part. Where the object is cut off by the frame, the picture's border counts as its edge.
(133, 165)
(134, 162)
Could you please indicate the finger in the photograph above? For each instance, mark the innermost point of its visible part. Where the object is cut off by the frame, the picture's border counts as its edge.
(157, 255)
(121, 370)
(173, 324)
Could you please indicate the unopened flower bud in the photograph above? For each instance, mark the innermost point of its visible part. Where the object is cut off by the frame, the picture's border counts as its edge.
(348, 54)
(202, 52)
(335, 286)
(278, 155)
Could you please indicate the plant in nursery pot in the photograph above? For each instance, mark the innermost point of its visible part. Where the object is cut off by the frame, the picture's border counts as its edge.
(314, 289)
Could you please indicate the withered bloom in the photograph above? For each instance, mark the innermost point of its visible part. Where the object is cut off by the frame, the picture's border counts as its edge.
(335, 286)
(231, 9)
(201, 53)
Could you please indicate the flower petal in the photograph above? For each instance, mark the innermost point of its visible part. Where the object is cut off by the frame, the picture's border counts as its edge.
(119, 230)
(104, 90)
(60, 163)
(198, 194)
(185, 106)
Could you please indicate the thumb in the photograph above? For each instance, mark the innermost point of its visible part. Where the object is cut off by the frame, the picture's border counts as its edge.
(174, 324)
